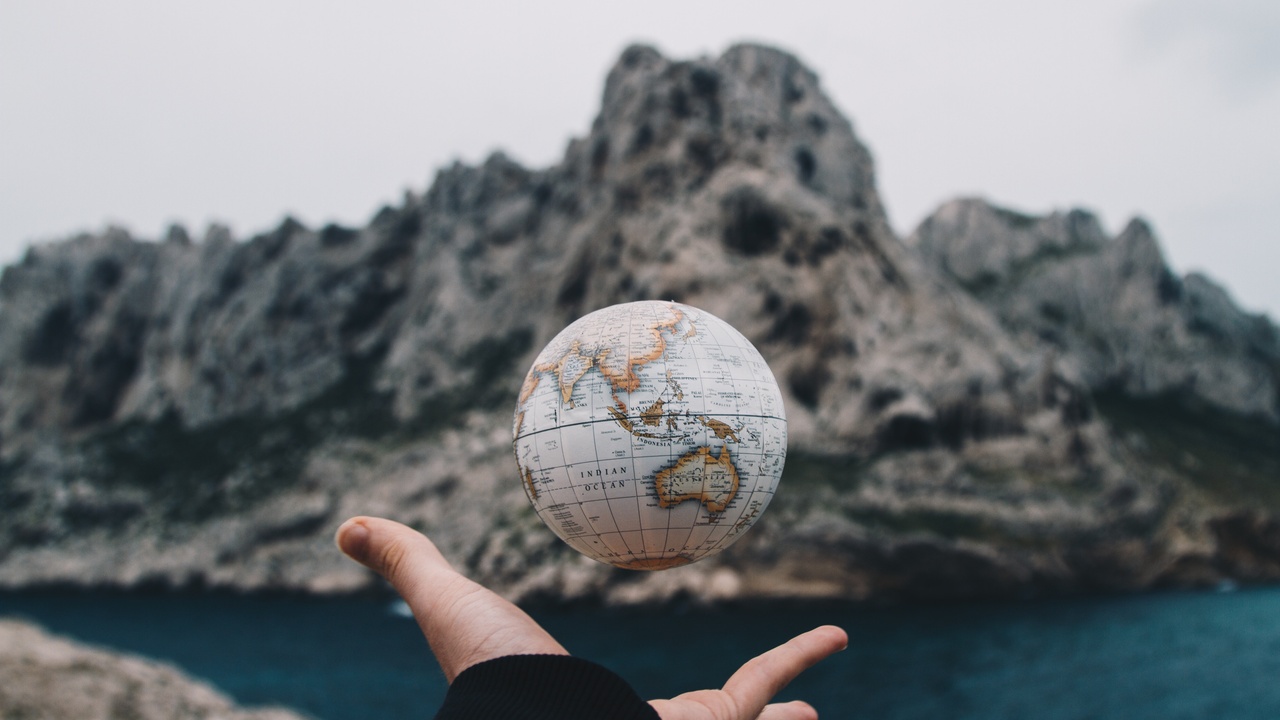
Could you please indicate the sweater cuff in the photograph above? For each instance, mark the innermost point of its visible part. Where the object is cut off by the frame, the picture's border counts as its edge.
(542, 687)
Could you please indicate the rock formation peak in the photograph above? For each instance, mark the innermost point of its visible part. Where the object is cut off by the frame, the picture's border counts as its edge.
(1111, 305)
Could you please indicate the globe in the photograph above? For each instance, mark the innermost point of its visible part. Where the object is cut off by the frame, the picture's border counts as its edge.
(649, 435)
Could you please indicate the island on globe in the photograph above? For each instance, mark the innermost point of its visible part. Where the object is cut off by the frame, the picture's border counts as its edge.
(649, 435)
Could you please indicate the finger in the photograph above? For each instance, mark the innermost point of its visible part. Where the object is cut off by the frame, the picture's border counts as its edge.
(464, 622)
(764, 676)
(794, 710)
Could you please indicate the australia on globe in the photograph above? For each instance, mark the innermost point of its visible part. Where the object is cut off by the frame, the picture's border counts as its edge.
(649, 435)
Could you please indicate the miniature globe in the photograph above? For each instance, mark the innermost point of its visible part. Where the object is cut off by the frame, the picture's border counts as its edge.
(650, 435)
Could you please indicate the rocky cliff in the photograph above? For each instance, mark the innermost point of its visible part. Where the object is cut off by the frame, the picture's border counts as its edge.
(1109, 306)
(206, 412)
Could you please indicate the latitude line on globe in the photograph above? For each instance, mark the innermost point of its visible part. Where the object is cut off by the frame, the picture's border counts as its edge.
(608, 420)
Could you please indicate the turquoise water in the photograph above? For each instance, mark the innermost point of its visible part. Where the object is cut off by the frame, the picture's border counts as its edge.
(1163, 656)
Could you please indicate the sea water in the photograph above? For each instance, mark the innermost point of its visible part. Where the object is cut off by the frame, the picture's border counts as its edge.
(1167, 656)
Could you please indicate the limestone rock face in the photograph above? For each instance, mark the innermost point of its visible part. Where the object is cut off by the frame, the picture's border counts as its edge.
(47, 677)
(105, 328)
(733, 185)
(206, 413)
(1110, 307)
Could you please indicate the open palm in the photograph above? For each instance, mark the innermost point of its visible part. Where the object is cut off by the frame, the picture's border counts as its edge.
(465, 623)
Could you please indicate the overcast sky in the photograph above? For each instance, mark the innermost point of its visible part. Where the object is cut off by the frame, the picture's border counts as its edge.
(146, 113)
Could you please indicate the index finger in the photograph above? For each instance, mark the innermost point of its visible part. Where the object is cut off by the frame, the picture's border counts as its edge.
(762, 677)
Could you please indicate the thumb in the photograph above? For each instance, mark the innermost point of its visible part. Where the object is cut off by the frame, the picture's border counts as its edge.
(400, 554)
(464, 622)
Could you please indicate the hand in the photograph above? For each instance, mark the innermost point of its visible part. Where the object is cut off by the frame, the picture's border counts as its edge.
(465, 623)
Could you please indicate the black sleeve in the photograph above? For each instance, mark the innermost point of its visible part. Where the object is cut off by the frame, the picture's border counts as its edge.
(542, 687)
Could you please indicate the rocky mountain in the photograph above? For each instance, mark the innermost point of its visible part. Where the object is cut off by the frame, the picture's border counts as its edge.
(206, 412)
(45, 677)
(1110, 306)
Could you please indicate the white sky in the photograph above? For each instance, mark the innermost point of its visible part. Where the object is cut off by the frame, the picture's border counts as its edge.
(145, 113)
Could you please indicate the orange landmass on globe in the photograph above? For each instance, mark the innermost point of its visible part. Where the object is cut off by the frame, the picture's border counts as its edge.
(617, 356)
(652, 415)
(700, 476)
(621, 418)
(658, 563)
(528, 483)
(526, 391)
(530, 384)
(721, 429)
(649, 345)
(573, 365)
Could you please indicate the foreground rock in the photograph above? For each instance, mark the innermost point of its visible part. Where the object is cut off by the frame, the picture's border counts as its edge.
(46, 677)
(206, 413)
